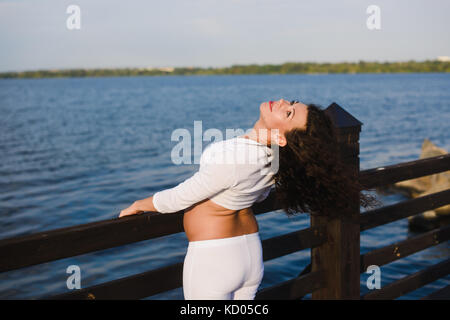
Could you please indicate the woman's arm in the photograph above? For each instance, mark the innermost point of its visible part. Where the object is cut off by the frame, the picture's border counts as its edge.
(213, 177)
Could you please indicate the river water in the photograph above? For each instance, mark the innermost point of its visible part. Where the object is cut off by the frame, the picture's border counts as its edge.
(80, 150)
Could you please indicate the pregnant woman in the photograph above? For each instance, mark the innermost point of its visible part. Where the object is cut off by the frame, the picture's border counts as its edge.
(224, 257)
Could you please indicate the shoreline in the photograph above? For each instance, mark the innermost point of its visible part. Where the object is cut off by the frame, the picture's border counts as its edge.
(429, 66)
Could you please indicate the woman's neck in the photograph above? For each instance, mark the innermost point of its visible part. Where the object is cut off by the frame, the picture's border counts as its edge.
(258, 134)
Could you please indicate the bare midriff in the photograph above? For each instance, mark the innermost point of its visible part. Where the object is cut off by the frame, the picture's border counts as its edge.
(207, 220)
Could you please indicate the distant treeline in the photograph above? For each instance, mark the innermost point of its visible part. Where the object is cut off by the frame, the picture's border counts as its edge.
(285, 68)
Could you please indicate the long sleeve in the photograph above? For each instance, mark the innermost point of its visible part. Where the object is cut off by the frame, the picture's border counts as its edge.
(212, 177)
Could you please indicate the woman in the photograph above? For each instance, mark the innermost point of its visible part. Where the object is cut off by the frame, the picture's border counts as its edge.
(224, 257)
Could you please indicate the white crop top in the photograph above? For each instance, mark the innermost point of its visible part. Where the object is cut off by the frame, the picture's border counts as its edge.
(233, 173)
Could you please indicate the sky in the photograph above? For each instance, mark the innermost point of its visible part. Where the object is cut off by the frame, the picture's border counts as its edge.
(211, 33)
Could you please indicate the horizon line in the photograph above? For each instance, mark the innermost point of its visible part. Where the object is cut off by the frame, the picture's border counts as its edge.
(161, 68)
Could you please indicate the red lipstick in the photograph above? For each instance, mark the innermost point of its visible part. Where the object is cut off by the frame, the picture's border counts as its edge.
(270, 105)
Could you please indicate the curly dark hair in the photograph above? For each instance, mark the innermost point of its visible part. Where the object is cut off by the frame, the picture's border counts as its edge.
(311, 178)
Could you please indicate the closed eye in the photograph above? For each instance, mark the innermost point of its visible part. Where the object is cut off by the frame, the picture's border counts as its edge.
(292, 103)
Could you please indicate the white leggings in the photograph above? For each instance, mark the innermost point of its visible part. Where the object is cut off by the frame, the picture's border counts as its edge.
(223, 269)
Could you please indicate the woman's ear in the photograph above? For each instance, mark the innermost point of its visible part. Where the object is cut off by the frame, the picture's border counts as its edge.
(279, 138)
(282, 141)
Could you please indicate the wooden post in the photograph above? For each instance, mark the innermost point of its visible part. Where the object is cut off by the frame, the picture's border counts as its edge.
(339, 257)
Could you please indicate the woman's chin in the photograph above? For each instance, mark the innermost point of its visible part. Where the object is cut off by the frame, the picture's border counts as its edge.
(261, 106)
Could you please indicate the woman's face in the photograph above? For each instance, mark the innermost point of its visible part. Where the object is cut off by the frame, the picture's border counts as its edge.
(284, 116)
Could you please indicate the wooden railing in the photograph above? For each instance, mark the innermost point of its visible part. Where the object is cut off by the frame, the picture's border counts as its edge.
(336, 262)
(391, 213)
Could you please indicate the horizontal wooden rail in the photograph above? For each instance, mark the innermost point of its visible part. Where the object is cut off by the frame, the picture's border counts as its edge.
(399, 250)
(383, 176)
(72, 241)
(404, 248)
(81, 239)
(441, 294)
(293, 289)
(411, 282)
(24, 251)
(167, 278)
(133, 287)
(404, 209)
(292, 242)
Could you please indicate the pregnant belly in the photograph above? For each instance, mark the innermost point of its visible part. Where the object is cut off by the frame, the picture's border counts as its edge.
(208, 220)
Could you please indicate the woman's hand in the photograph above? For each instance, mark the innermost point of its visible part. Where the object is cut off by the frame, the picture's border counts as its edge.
(133, 209)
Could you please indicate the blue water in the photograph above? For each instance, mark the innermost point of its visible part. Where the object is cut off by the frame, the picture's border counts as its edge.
(79, 150)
